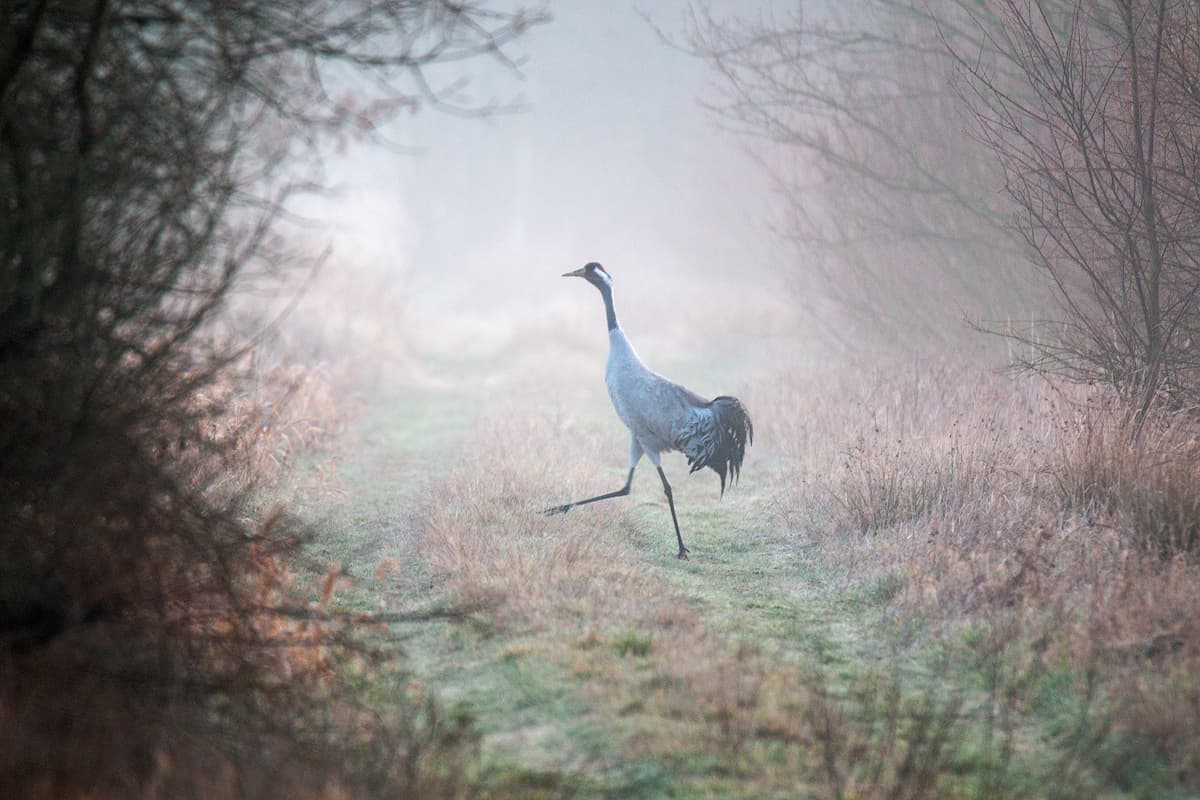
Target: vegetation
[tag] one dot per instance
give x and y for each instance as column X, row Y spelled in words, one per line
column 934, row 580
column 152, row 639
column 957, row 141
column 1006, row 635
column 1091, row 111
column 855, row 112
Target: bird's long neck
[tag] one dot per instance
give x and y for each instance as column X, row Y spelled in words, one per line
column 606, row 293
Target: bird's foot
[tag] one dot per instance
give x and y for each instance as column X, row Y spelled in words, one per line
column 550, row 512
column 683, row 553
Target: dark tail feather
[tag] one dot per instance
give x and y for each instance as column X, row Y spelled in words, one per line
column 733, row 431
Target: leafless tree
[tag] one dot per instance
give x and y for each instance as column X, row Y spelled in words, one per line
column 893, row 208
column 1101, row 154
column 146, row 150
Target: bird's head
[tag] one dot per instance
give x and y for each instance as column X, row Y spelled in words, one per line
column 594, row 274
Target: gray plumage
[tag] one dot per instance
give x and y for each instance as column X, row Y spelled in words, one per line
column 663, row 416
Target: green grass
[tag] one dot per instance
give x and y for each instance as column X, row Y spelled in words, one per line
column 547, row 728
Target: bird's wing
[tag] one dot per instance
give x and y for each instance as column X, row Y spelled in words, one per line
column 671, row 408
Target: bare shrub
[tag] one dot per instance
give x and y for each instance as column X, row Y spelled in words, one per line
column 1099, row 144
column 895, row 229
column 152, row 641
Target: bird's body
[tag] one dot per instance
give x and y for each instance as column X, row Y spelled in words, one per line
column 651, row 406
column 663, row 416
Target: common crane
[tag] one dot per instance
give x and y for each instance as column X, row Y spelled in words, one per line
column 663, row 416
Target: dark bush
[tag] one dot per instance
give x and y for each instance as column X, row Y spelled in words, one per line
column 150, row 642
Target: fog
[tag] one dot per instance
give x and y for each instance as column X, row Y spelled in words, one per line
column 601, row 150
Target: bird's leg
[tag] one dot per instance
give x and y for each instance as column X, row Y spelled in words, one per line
column 624, row 490
column 683, row 551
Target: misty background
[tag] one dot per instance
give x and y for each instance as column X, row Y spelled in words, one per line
column 601, row 149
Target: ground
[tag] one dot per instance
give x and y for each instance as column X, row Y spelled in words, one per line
column 593, row 663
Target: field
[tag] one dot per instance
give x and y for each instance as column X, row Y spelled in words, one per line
column 933, row 579
column 282, row 421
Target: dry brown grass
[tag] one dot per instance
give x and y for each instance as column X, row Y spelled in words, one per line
column 264, row 420
column 997, row 498
column 297, row 385
column 1024, row 511
column 641, row 653
column 308, row 352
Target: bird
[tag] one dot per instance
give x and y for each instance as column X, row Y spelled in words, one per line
column 663, row 416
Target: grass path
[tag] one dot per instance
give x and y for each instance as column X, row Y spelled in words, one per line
column 538, row 735
column 561, row 718
column 541, row 729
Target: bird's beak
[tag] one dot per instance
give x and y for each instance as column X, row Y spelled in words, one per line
column 579, row 273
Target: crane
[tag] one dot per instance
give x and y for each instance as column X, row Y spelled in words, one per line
column 663, row 416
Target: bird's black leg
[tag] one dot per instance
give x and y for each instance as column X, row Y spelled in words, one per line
column 683, row 551
column 624, row 490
